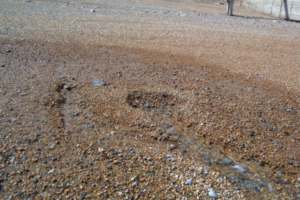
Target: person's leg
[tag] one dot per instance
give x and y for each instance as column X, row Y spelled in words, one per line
column 231, row 6
column 286, row 10
column 228, row 7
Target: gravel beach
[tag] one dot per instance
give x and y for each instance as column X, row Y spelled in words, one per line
column 147, row 99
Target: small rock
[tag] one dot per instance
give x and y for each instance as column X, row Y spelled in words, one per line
column 134, row 178
column 83, row 195
column 170, row 158
column 51, row 171
column 135, row 183
column 92, row 10
column 52, row 146
column 189, row 181
column 172, row 147
column 2, row 65
column 212, row 194
column 69, row 86
column 88, row 126
column 225, row 161
column 147, row 105
column 12, row 159
column 75, row 114
column 240, row 168
column 270, row 187
column 278, row 174
column 120, row 193
column 205, row 170
column 171, row 135
column 36, row 179
column 294, row 163
column 23, row 94
column 99, row 83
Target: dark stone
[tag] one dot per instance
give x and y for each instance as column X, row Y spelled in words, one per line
column 149, row 100
column 252, row 134
column 262, row 163
column 83, row 195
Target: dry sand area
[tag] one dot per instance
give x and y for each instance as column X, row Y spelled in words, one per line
column 147, row 99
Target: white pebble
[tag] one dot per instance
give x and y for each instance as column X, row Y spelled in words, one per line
column 189, row 181
column 240, row 168
column 212, row 193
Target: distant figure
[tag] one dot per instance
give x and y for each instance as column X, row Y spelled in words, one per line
column 286, row 10
column 230, row 5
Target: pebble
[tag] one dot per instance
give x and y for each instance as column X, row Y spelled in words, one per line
column 240, row 168
column 189, row 181
column 83, row 195
column 135, row 183
column 225, row 162
column 99, row 83
column 75, row 114
column 2, row 65
column 170, row 158
column 69, row 86
column 52, row 146
column 172, row 147
column 50, row 171
column 270, row 187
column 134, row 178
column 120, row 193
column 92, row 10
column 205, row 170
column 12, row 159
column 88, row 126
column 212, row 194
